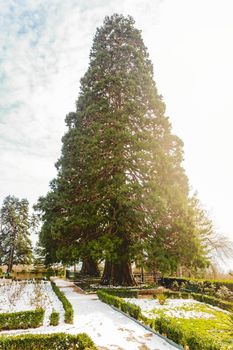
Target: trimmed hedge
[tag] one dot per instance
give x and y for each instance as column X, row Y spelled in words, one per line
column 54, row 318
column 195, row 285
column 222, row 304
column 174, row 331
column 55, row 341
column 171, row 329
column 176, row 295
column 165, row 326
column 129, row 293
column 128, row 308
column 121, row 293
column 69, row 312
column 22, row 320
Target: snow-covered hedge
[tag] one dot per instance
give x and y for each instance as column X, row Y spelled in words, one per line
column 55, row 341
column 22, row 319
column 69, row 312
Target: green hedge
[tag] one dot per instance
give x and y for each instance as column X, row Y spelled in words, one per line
column 165, row 326
column 129, row 293
column 171, row 329
column 176, row 295
column 121, row 293
column 196, row 285
column 128, row 308
column 69, row 312
column 222, row 304
column 54, row 318
column 55, row 341
column 174, row 331
column 22, row 320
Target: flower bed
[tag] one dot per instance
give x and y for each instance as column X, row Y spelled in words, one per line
column 187, row 322
column 30, row 304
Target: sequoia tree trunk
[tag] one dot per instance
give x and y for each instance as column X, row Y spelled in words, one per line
column 118, row 273
column 90, row 267
column 106, row 277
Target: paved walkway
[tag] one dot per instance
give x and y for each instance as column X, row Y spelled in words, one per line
column 109, row 329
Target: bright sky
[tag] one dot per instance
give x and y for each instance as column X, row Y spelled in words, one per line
column 44, row 49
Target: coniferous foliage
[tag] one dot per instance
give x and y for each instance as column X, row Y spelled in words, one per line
column 121, row 188
column 15, row 243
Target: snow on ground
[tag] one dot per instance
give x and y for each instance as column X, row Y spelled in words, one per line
column 25, row 296
column 109, row 329
column 180, row 308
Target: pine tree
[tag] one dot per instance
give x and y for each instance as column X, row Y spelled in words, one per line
column 15, row 243
column 120, row 183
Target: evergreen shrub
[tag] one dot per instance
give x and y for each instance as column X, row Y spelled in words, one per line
column 22, row 319
column 128, row 308
column 69, row 312
column 55, row 341
column 54, row 318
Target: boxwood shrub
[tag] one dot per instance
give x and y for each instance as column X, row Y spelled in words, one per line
column 222, row 304
column 195, row 285
column 166, row 326
column 128, row 308
column 54, row 318
column 174, row 331
column 69, row 312
column 122, row 293
column 22, row 319
column 55, row 341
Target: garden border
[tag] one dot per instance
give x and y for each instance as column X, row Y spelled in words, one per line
column 171, row 342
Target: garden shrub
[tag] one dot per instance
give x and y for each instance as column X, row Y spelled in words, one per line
column 171, row 328
column 225, row 293
column 54, row 318
column 161, row 298
column 22, row 319
column 55, row 341
column 174, row 331
column 69, row 312
column 122, row 293
column 177, row 295
column 128, row 308
column 197, row 285
column 222, row 304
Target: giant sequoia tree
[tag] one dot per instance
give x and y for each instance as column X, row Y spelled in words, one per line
column 15, row 243
column 120, row 184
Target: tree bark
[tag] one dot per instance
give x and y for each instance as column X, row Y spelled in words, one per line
column 10, row 261
column 118, row 273
column 106, row 277
column 90, row 267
